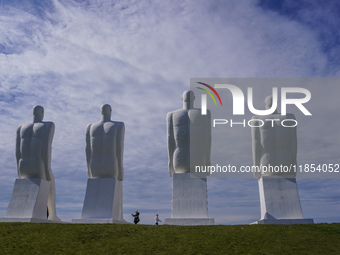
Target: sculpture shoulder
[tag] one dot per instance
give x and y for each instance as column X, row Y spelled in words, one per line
column 179, row 117
column 195, row 111
column 50, row 128
column 176, row 112
column 113, row 125
column 26, row 125
column 100, row 128
column 88, row 128
column 25, row 129
column 95, row 126
column 49, row 124
column 169, row 116
column 174, row 115
column 119, row 124
column 19, row 127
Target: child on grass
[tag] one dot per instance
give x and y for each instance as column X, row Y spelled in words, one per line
column 157, row 219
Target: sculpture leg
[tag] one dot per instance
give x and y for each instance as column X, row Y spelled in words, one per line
column 51, row 203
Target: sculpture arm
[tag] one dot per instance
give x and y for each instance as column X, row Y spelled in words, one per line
column 120, row 151
column 170, row 142
column 17, row 149
column 88, row 150
column 256, row 148
column 47, row 150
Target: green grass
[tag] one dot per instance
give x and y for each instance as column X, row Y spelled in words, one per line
column 30, row 238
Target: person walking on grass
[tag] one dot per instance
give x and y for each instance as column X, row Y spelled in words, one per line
column 136, row 217
column 157, row 219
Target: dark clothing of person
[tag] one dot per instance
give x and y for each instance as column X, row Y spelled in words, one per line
column 136, row 217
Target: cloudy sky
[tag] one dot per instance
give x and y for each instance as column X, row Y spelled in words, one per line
column 138, row 56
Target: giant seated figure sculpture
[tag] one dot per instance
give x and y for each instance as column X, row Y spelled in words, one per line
column 104, row 156
column 189, row 144
column 275, row 145
column 34, row 197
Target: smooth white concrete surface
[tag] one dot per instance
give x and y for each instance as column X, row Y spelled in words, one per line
column 103, row 202
column 31, row 220
column 285, row 221
column 189, row 197
column 189, row 221
column 189, row 201
column 280, row 202
column 279, row 198
column 28, row 201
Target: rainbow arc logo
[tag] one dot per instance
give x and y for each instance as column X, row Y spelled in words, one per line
column 209, row 93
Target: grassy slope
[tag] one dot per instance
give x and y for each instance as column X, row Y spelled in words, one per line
column 29, row 238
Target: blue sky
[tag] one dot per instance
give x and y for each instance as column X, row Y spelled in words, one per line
column 138, row 56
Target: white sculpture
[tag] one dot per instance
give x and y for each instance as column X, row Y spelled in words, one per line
column 104, row 155
column 105, row 146
column 189, row 137
column 189, row 145
column 274, row 149
column 33, row 154
column 272, row 143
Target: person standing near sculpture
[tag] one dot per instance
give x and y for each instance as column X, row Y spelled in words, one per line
column 189, row 145
column 105, row 147
column 33, row 154
column 274, row 148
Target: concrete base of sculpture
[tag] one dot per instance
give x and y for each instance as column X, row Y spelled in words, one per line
column 28, row 201
column 30, row 220
column 280, row 202
column 103, row 202
column 189, row 221
column 285, row 221
column 99, row 221
column 189, row 201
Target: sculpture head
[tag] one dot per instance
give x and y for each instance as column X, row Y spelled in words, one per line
column 38, row 113
column 188, row 98
column 106, row 110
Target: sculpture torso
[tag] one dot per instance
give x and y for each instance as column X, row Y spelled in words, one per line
column 33, row 149
column 274, row 145
column 104, row 145
column 189, row 133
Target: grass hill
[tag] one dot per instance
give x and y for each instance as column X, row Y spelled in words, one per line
column 30, row 238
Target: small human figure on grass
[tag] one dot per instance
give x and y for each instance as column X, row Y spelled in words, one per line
column 136, row 217
column 157, row 219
